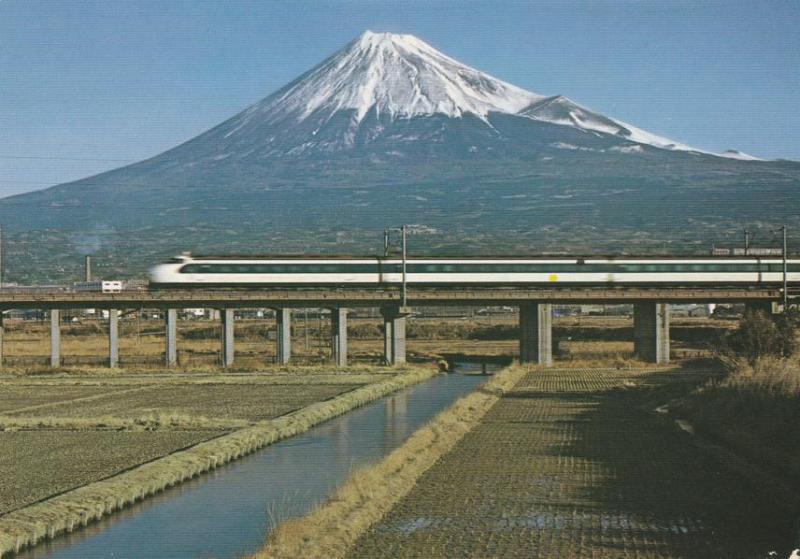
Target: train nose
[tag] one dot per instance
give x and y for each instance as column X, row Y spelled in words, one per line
column 161, row 273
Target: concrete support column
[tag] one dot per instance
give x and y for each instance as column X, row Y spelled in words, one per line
column 227, row 337
column 283, row 320
column 387, row 340
column 113, row 338
column 172, row 338
column 339, row 336
column 651, row 332
column 394, row 336
column 536, row 333
column 55, row 338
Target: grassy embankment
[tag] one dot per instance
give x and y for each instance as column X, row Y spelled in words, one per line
column 76, row 507
column 332, row 528
column 753, row 410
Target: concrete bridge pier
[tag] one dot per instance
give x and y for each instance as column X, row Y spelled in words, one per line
column 55, row 338
column 228, row 347
column 283, row 320
column 171, row 350
column 113, row 338
column 651, row 332
column 394, row 335
column 339, row 336
column 536, row 333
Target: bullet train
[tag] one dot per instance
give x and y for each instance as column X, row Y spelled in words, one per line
column 188, row 271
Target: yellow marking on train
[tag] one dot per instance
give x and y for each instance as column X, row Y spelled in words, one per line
column 553, row 277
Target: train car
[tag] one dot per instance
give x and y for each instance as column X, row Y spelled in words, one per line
column 188, row 271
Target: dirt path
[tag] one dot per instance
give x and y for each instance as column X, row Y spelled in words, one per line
column 571, row 464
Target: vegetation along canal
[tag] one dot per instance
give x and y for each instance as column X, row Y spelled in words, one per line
column 229, row 512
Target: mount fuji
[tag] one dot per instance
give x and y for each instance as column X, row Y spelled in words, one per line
column 371, row 92
column 389, row 130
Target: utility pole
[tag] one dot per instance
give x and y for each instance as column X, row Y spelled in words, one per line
column 405, row 293
column 785, row 283
column 746, row 240
column 403, row 229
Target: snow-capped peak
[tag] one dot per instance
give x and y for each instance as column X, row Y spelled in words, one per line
column 395, row 75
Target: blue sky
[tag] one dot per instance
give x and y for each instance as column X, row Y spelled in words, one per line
column 89, row 85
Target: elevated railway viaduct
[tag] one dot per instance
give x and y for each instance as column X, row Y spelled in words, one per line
column 651, row 313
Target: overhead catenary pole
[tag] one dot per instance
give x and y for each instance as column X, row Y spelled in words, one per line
column 785, row 269
column 405, row 293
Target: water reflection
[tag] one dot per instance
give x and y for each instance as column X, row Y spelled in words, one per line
column 228, row 512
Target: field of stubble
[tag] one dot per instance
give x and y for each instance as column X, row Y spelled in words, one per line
column 59, row 433
column 575, row 464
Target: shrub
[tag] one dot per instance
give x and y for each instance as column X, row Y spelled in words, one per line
column 759, row 335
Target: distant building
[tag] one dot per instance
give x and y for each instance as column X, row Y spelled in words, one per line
column 98, row 286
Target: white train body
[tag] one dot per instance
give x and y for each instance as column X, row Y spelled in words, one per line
column 188, row 271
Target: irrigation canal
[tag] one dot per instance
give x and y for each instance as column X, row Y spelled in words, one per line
column 230, row 511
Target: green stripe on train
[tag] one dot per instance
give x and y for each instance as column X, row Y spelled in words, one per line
column 463, row 268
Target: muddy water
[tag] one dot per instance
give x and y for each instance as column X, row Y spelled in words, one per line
column 229, row 512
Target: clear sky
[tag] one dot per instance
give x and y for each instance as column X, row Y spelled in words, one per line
column 88, row 85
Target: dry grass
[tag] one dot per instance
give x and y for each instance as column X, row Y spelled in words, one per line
column 25, row 527
column 107, row 374
column 754, row 410
column 145, row 422
column 331, row 529
column 252, row 402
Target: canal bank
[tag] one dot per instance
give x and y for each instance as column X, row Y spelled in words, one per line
column 229, row 512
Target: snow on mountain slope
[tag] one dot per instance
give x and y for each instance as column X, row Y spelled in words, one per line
column 564, row 111
column 395, row 75
column 736, row 154
column 380, row 78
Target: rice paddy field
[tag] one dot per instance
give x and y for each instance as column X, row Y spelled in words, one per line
column 58, row 433
column 40, row 463
column 252, row 402
column 576, row 463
